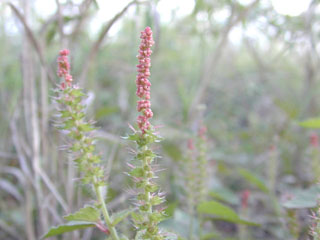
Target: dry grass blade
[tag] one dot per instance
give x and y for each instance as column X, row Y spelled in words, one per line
column 11, row 189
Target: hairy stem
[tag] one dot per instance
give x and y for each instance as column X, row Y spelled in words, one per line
column 112, row 229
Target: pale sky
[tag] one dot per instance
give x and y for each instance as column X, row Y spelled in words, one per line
column 107, row 8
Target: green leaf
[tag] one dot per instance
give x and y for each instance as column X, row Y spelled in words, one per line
column 132, row 137
column 137, row 217
column 253, row 179
column 137, row 172
column 68, row 124
column 86, row 127
column 69, row 227
column 303, row 198
column 65, row 113
column 311, row 123
column 222, row 212
column 156, row 200
column 88, row 214
column 119, row 216
column 76, row 92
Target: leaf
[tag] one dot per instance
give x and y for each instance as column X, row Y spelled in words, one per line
column 119, row 216
column 86, row 127
column 69, row 227
column 137, row 172
column 88, row 214
column 303, row 198
column 253, row 179
column 76, row 92
column 222, row 212
column 311, row 123
column 132, row 137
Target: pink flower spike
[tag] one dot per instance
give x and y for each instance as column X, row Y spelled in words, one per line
column 64, row 52
column 64, row 68
column 142, row 82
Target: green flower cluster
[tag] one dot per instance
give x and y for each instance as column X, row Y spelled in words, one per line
column 195, row 166
column 72, row 119
column 147, row 218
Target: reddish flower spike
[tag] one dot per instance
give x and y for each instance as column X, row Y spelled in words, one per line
column 64, row 68
column 142, row 82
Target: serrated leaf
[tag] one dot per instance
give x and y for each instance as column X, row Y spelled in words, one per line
column 119, row 216
column 68, row 227
column 222, row 212
column 311, row 123
column 253, row 179
column 88, row 213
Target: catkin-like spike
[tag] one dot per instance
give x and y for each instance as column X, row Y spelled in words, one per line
column 143, row 172
column 80, row 131
column 72, row 121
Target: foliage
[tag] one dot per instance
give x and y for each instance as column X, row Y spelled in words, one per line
column 255, row 71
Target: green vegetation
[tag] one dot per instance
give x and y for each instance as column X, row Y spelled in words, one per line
column 242, row 71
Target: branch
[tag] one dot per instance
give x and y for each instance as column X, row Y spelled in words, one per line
column 95, row 47
column 34, row 41
column 84, row 10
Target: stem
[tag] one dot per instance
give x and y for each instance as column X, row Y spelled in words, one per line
column 105, row 213
column 147, row 193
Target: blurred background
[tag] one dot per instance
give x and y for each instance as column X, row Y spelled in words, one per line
column 238, row 75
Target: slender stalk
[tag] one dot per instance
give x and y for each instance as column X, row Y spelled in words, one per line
column 106, row 216
column 80, row 132
column 147, row 218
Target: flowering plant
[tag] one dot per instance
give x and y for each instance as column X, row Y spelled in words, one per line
column 143, row 169
column 81, row 147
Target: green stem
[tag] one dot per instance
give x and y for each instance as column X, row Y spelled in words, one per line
column 147, row 193
column 105, row 213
